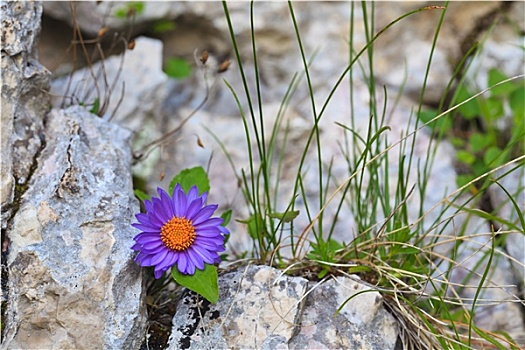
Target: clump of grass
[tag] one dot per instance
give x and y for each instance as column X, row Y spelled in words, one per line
column 398, row 254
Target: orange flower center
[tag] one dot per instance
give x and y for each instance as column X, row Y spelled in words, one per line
column 178, row 234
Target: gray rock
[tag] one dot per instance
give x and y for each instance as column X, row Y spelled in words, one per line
column 135, row 84
column 261, row 308
column 72, row 281
column 24, row 100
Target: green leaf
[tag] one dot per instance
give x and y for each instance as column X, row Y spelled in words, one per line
column 359, row 269
column 141, row 195
column 517, row 102
column 188, row 178
column 479, row 141
column 479, row 167
column 136, row 7
column 226, row 216
column 457, row 142
column 408, row 251
column 163, row 26
column 443, row 124
column 285, row 217
column 470, row 109
column 95, row 107
column 493, row 108
column 465, row 157
column 203, row 282
column 491, row 156
column 462, row 180
column 323, row 273
column 177, row 68
column 495, row 76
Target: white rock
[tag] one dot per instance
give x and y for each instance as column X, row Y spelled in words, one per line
column 259, row 307
column 24, row 101
column 72, row 279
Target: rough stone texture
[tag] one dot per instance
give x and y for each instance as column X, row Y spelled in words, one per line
column 24, row 101
column 363, row 323
column 260, row 308
column 72, row 281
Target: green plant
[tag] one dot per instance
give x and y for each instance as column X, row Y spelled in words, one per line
column 391, row 249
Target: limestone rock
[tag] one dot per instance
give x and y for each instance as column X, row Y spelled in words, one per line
column 260, row 308
column 24, row 101
column 72, row 280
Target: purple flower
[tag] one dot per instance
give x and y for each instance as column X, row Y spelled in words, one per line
column 179, row 230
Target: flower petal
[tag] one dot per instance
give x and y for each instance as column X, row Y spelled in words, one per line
column 206, row 256
column 147, row 237
column 212, row 222
column 179, row 202
column 195, row 258
column 193, row 208
column 182, row 263
column 204, row 214
column 158, row 257
column 167, row 204
column 193, row 194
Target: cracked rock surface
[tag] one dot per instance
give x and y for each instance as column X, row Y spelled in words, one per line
column 72, row 281
column 260, row 308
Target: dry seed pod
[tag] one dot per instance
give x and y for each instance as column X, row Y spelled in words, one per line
column 224, row 66
column 103, row 31
column 204, row 57
column 199, row 143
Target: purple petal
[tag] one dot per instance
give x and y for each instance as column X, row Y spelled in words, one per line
column 160, row 212
column 154, row 250
column 193, row 208
column 208, row 232
column 158, row 257
column 210, row 242
column 204, row 197
column 152, row 245
column 196, row 259
column 143, row 219
column 143, row 259
column 182, row 263
column 203, row 253
column 167, row 203
column 148, row 205
column 145, row 228
column 179, row 202
column 190, row 268
column 171, row 258
column 204, row 214
column 224, row 230
column 193, row 194
column 158, row 273
column 147, row 237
